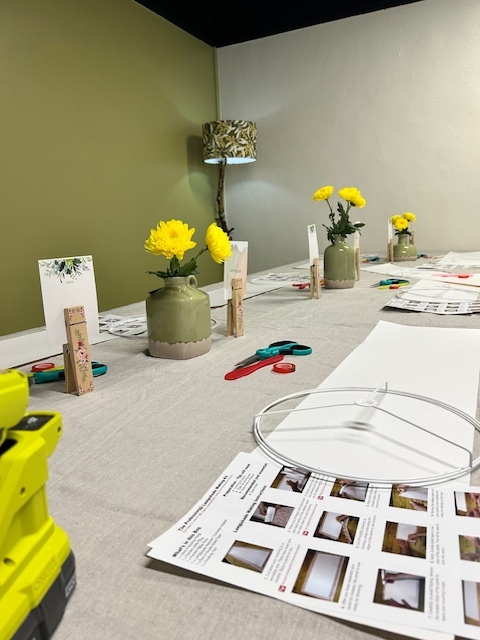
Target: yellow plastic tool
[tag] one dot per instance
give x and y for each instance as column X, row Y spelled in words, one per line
column 37, row 566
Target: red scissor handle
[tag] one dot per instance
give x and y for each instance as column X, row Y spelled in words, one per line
column 245, row 371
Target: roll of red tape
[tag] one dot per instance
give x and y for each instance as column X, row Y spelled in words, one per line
column 284, row 367
column 42, row 366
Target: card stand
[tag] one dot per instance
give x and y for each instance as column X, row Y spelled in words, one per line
column 315, row 280
column 356, row 241
column 235, row 309
column 332, row 432
column 390, row 251
column 76, row 352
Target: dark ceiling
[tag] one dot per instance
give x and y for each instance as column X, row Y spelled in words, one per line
column 222, row 23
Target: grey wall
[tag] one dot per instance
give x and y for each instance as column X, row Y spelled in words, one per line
column 388, row 102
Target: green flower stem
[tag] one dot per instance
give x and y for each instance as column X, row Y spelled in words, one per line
column 175, row 269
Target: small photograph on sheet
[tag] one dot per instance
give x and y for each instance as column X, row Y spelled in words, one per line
column 321, row 575
column 399, row 589
column 290, row 479
column 405, row 497
column 471, row 602
column 276, row 515
column 349, row 490
column 469, row 548
column 405, row 539
column 337, row 526
column 248, row 556
column 467, row 504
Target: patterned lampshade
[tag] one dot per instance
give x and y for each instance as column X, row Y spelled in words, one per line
column 229, row 142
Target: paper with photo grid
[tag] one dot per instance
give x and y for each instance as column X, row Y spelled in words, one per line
column 68, row 282
column 421, row 587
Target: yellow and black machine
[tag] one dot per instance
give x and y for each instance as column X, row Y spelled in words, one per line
column 37, row 566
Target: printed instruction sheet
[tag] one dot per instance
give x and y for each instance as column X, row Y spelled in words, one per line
column 390, row 554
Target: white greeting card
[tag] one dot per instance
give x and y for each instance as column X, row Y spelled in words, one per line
column 312, row 243
column 68, row 282
column 235, row 267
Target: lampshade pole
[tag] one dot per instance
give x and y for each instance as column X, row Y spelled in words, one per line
column 220, row 197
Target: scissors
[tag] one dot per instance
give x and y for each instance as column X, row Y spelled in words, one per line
column 52, row 374
column 282, row 348
column 385, row 284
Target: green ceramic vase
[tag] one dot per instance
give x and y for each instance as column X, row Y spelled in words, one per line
column 178, row 320
column 403, row 250
column 339, row 265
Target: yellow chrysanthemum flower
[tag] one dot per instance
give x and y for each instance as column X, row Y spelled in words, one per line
column 170, row 239
column 341, row 225
column 218, row 243
column 353, row 196
column 324, row 193
column 173, row 238
column 400, row 223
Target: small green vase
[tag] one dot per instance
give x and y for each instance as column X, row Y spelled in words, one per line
column 178, row 320
column 339, row 265
column 403, row 250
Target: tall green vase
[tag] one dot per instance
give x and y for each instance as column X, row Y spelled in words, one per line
column 339, row 265
column 178, row 320
column 403, row 250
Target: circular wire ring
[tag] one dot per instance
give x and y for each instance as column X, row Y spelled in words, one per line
column 414, row 482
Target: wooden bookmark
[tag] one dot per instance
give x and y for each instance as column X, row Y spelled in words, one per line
column 315, row 283
column 235, row 309
column 76, row 353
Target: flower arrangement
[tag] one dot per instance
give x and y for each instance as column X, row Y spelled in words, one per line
column 173, row 238
column 66, row 269
column 401, row 222
column 342, row 226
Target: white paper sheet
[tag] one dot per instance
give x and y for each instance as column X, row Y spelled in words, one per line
column 453, row 260
column 364, row 442
column 397, row 271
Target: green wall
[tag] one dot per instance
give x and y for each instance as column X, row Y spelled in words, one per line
column 101, row 107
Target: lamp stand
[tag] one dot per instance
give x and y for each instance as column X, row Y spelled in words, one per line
column 220, row 201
